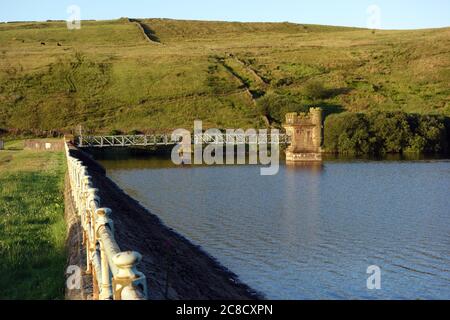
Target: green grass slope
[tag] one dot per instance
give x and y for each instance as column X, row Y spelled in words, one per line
column 108, row 75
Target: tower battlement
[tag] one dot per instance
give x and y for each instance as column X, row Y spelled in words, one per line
column 313, row 117
column 305, row 130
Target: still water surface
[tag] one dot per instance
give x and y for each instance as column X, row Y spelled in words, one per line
column 310, row 232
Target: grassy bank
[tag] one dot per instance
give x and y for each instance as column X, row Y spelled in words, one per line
column 32, row 227
column 107, row 75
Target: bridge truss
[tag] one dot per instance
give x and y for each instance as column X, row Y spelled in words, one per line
column 156, row 140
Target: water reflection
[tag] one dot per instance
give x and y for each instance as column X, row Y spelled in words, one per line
column 314, row 167
column 311, row 231
column 302, row 217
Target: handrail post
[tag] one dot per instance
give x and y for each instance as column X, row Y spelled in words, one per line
column 128, row 283
column 103, row 220
column 85, row 221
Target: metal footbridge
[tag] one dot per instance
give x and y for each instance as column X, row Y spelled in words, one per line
column 156, row 140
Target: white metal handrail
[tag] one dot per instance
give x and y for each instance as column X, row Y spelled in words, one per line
column 114, row 273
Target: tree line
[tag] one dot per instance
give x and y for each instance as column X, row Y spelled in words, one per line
column 386, row 132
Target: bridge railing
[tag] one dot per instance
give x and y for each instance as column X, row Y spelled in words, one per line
column 166, row 140
column 114, row 273
column 124, row 140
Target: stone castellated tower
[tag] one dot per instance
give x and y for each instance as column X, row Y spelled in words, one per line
column 305, row 130
column 316, row 119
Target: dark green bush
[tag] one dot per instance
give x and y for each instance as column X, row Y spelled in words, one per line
column 433, row 130
column 386, row 132
column 285, row 82
column 315, row 90
column 135, row 132
column 347, row 133
column 391, row 131
column 275, row 106
column 115, row 132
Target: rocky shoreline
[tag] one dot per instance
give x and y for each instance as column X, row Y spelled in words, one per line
column 175, row 268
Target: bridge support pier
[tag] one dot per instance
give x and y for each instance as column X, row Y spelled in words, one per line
column 305, row 131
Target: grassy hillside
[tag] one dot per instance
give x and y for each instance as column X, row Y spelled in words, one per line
column 162, row 74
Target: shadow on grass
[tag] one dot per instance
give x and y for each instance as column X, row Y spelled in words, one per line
column 327, row 108
column 149, row 32
column 331, row 93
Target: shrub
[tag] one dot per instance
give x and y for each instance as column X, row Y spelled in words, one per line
column 391, row 131
column 285, row 82
column 432, row 129
column 347, row 133
column 416, row 144
column 316, row 90
column 115, row 132
column 385, row 132
column 275, row 106
column 135, row 132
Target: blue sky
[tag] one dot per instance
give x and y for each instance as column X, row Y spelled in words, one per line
column 395, row 14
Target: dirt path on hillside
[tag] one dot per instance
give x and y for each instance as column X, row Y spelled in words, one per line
column 146, row 31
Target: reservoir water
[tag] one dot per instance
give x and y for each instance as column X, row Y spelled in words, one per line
column 310, row 232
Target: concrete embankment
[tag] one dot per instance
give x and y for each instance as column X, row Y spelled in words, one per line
column 174, row 267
